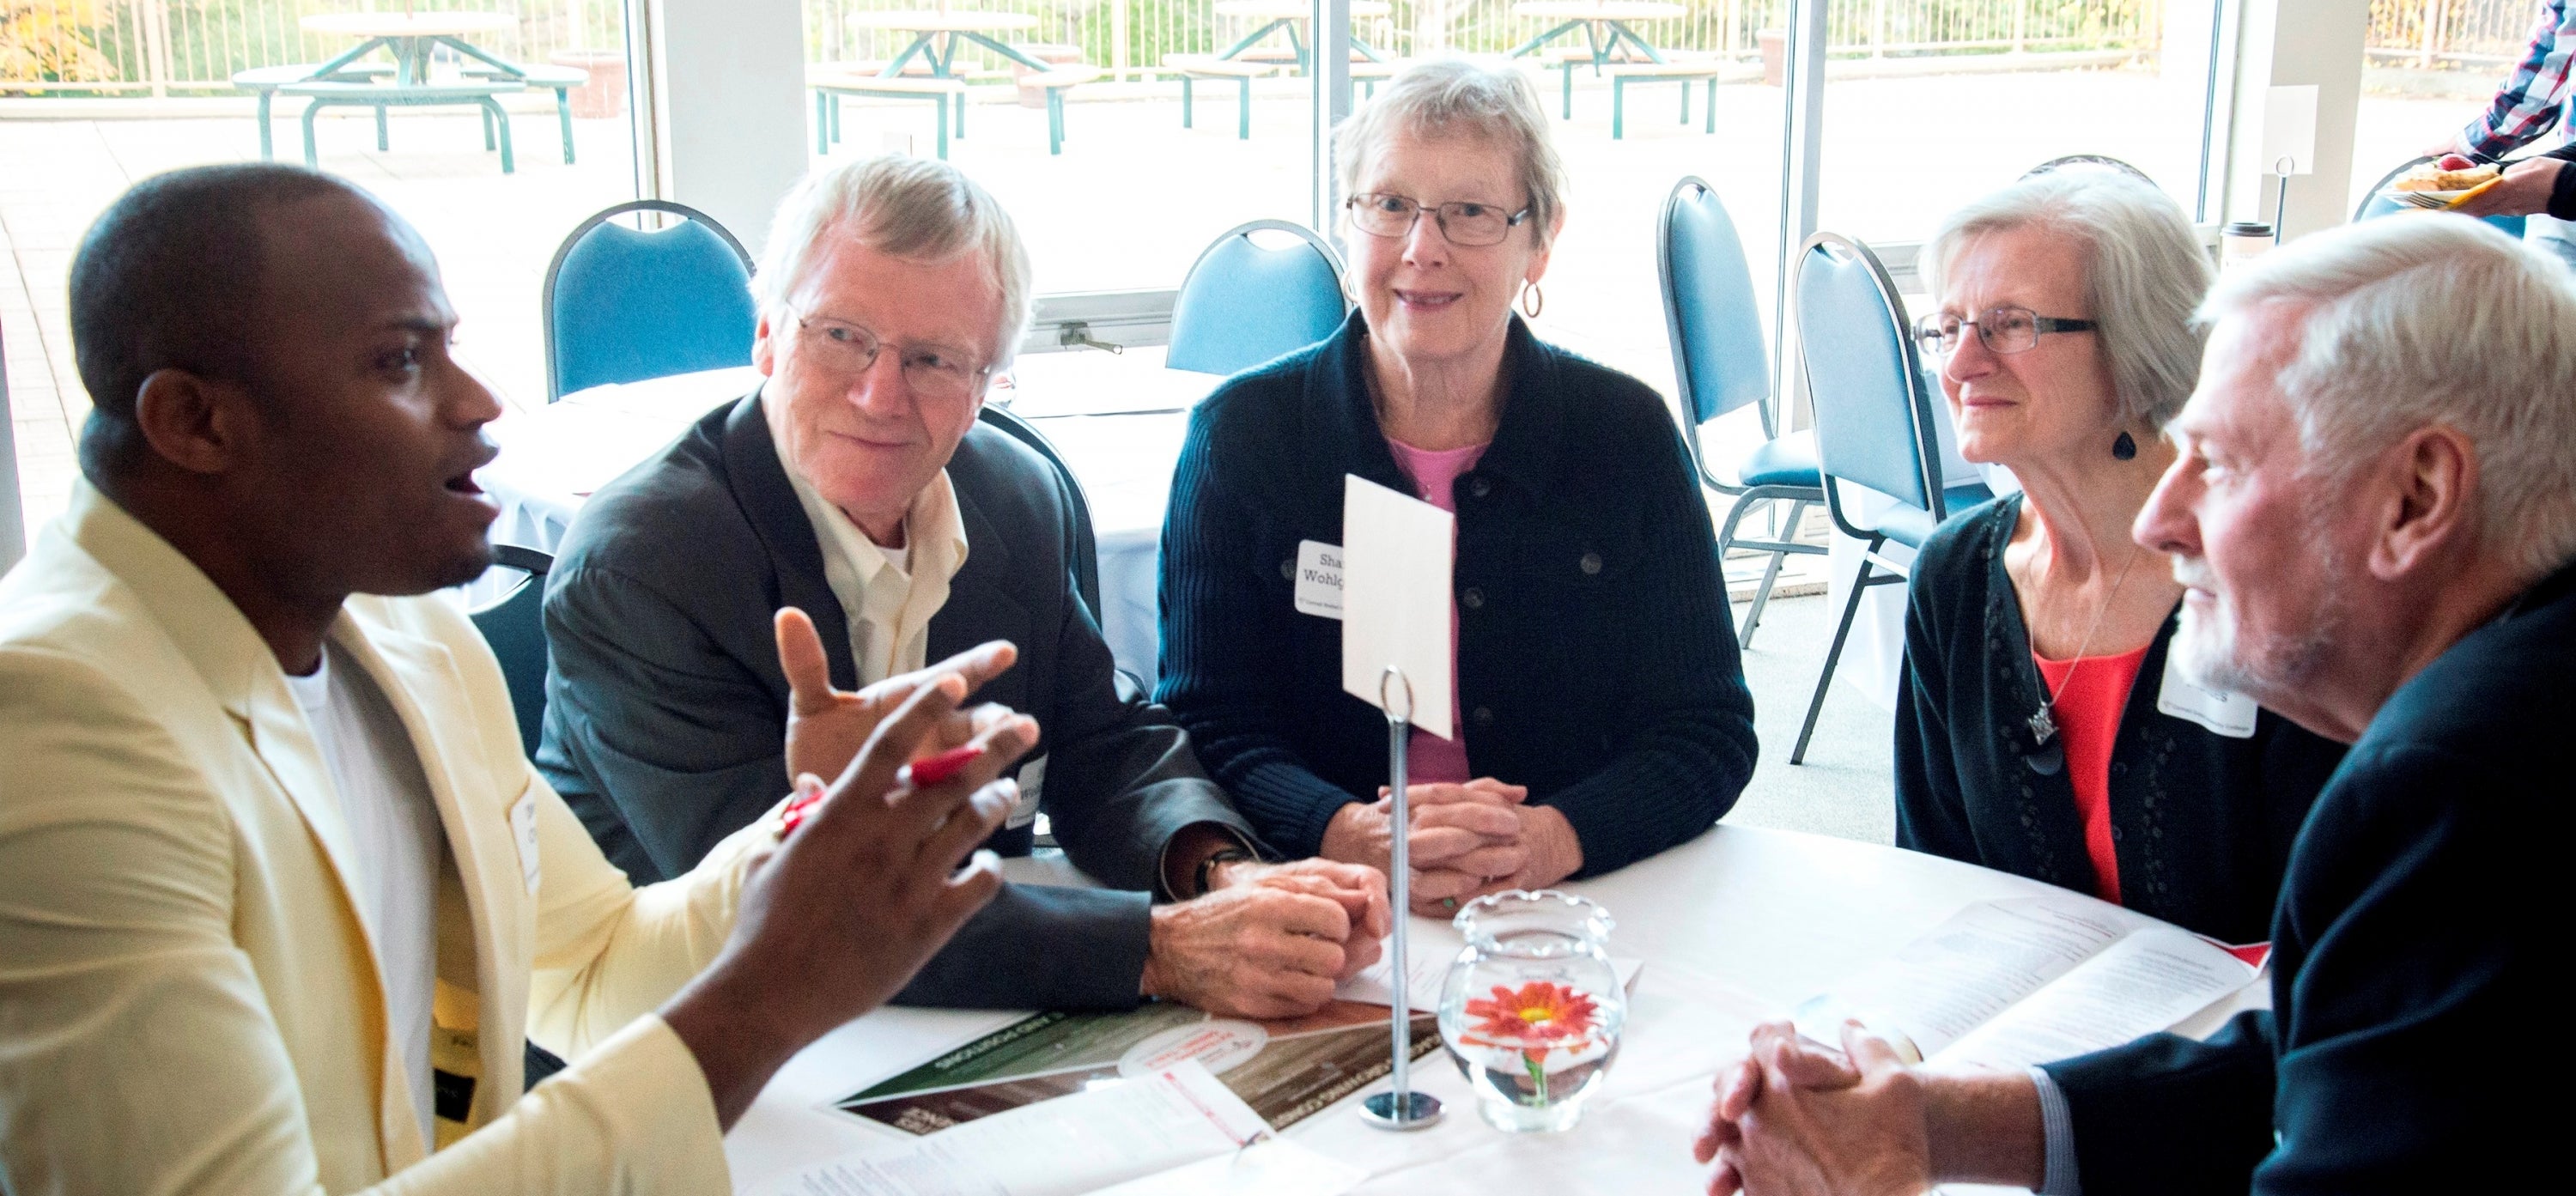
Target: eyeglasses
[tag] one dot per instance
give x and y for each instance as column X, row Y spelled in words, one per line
column 932, row 371
column 1463, row 223
column 1999, row 329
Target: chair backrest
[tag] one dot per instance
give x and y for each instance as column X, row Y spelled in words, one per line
column 2102, row 160
column 2374, row 205
column 623, row 305
column 1718, row 357
column 1243, row 304
column 1086, row 549
column 1873, row 416
column 515, row 626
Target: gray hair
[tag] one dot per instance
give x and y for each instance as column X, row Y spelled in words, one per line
column 2425, row 320
column 1451, row 96
column 2144, row 271
column 918, row 209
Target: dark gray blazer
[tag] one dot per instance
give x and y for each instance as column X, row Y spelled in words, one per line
column 665, row 705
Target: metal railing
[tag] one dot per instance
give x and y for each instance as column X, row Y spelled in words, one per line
column 162, row 47
column 2430, row 34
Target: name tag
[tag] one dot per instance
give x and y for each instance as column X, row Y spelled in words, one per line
column 523, row 827
column 1319, row 579
column 2231, row 715
column 1032, row 779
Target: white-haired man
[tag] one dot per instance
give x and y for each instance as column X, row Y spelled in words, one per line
column 2374, row 516
column 858, row 484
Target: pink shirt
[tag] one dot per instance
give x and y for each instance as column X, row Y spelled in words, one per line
column 1429, row 758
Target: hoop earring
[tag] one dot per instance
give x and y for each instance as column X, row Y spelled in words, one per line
column 1532, row 302
column 2124, row 449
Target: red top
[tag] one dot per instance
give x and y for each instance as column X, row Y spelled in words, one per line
column 2088, row 719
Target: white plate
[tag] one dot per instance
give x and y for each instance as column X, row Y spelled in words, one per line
column 2434, row 200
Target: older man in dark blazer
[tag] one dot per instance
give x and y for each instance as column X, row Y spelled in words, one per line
column 858, row 486
column 2374, row 518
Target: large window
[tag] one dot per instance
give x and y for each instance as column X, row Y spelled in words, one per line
column 101, row 95
column 2429, row 67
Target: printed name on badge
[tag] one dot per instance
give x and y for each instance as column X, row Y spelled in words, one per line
column 1032, row 780
column 2231, row 715
column 523, row 827
column 1319, row 579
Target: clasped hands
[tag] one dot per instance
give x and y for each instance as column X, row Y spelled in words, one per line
column 1266, row 940
column 1466, row 841
column 1794, row 1116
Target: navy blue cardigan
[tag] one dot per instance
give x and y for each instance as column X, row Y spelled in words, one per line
column 1596, row 660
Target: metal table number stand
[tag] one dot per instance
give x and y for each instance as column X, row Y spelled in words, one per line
column 1399, row 1107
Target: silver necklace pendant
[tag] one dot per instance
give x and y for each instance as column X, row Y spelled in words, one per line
column 2043, row 727
column 2048, row 753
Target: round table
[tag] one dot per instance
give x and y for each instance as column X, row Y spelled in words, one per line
column 1735, row 927
column 1118, row 419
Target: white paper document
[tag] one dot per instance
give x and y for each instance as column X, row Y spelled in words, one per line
column 1112, row 1134
column 1395, row 601
column 1271, row 1167
column 2011, row 983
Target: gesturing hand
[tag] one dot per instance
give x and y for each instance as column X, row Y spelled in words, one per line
column 825, row 726
column 847, row 909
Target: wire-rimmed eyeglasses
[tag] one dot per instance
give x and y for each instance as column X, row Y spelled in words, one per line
column 1463, row 222
column 2005, row 329
column 932, row 371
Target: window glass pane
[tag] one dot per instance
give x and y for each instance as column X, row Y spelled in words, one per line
column 2430, row 67
column 1133, row 196
column 1935, row 102
column 134, row 89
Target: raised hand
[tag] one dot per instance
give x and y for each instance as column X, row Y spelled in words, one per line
column 843, row 912
column 825, row 726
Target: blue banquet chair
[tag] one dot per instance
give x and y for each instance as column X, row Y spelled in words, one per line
column 514, row 625
column 623, row 305
column 1873, row 420
column 1244, row 303
column 1719, row 360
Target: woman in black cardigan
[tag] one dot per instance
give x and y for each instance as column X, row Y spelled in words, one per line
column 2040, row 729
column 1599, row 699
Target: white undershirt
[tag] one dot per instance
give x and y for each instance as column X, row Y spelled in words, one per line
column 393, row 823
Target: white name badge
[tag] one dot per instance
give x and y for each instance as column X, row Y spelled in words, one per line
column 1319, row 579
column 2231, row 715
column 1032, row 779
column 523, row 827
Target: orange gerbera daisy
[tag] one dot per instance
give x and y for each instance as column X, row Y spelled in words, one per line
column 1539, row 1014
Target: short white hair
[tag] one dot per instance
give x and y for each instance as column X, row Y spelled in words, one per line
column 2419, row 320
column 1452, row 96
column 2144, row 271
column 918, row 209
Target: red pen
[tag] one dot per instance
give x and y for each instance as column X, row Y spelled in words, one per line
column 926, row 773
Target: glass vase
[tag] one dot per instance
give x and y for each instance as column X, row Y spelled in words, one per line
column 1532, row 1009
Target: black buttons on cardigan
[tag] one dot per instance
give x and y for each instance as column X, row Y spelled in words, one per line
column 1483, row 715
column 1479, row 487
column 1472, row 598
column 1590, row 564
column 2119, row 768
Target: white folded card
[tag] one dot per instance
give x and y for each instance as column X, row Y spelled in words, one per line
column 1395, row 602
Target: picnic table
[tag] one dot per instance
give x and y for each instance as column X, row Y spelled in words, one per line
column 412, row 39
column 1605, row 24
column 1293, row 16
column 939, row 32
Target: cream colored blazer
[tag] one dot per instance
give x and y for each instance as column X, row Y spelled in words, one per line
column 189, row 1002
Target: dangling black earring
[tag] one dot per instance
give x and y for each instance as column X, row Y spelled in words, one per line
column 2124, row 448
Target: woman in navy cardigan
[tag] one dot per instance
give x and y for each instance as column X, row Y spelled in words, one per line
column 1600, row 703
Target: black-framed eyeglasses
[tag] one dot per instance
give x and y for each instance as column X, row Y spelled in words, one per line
column 932, row 371
column 2004, row 329
column 1463, row 222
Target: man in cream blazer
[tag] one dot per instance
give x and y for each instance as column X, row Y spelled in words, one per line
column 203, row 986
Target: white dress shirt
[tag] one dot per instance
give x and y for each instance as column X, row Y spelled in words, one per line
column 888, row 595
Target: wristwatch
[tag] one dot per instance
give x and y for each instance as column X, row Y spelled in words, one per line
column 1222, row 855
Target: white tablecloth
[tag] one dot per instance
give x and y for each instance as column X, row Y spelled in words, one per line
column 1735, row 927
column 1117, row 418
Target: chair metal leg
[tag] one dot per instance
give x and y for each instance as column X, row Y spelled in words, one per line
column 1770, row 574
column 1834, row 655
column 267, row 136
column 501, row 122
column 563, row 114
column 311, row 160
column 1185, row 101
column 1243, row 110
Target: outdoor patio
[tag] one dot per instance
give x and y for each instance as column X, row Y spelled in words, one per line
column 1128, row 204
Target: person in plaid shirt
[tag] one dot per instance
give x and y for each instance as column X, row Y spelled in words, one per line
column 2532, row 101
